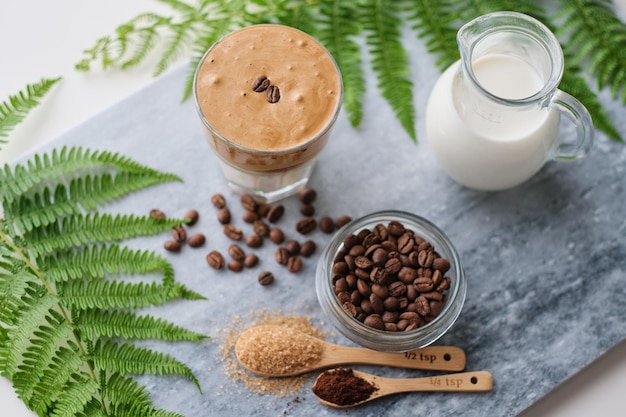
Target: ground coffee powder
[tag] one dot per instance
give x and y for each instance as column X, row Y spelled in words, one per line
column 342, row 387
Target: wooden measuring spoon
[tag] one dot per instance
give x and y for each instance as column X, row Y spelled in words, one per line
column 380, row 386
column 271, row 350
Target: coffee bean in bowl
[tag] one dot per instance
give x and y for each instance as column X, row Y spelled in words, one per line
column 391, row 281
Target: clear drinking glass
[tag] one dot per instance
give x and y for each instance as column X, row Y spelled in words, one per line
column 267, row 149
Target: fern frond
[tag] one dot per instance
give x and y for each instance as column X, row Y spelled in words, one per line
column 115, row 323
column 85, row 193
column 78, row 230
column 381, row 21
column 43, row 170
column 96, row 261
column 75, row 396
column 336, row 28
column 117, row 294
column 598, row 37
column 127, row 358
column 16, row 108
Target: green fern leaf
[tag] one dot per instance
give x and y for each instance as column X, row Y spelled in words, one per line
column 16, row 108
column 336, row 28
column 129, row 359
column 115, row 323
column 381, row 21
column 75, row 396
column 596, row 35
column 96, row 261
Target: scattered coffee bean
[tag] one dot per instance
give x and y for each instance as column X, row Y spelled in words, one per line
column 261, row 228
column 218, row 201
column 254, row 241
column 196, row 240
column 266, row 278
column 233, row 232
column 262, row 209
column 172, row 246
column 282, row 255
column 391, row 277
column 272, row 94
column 275, row 213
column 294, row 263
column 223, row 215
column 251, row 260
column 260, row 84
column 215, row 260
column 293, row 247
column 235, row 265
column 308, row 248
column 236, row 252
column 307, row 209
column 248, row 202
column 342, row 221
column 193, row 216
column 157, row 214
column 277, row 236
column 327, row 225
column 306, row 225
column 250, row 216
column 307, row 195
column 179, row 233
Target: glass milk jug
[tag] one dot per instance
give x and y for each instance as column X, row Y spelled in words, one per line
column 493, row 117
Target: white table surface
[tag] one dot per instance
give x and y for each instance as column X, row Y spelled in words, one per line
column 40, row 38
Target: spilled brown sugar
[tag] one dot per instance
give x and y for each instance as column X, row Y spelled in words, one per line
column 341, row 386
column 279, row 387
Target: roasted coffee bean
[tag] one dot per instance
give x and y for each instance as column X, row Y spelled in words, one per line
column 377, row 303
column 391, row 327
column 343, row 297
column 355, row 297
column 308, row 248
column 350, row 309
column 351, row 240
column 262, row 209
column 266, row 278
column 357, row 250
column 444, row 285
column 248, row 202
column 342, row 221
column 363, row 287
column 397, row 289
column 277, row 236
column 435, row 307
column 193, row 216
column 390, row 316
column 223, row 215
column 307, row 195
column 254, row 241
column 218, row 201
column 381, row 231
column 272, row 94
column 423, row 284
column 442, row 265
column 422, row 305
column 433, row 295
column 172, row 245
column 196, row 240
column 341, row 285
column 236, row 252
column 261, row 228
column 275, row 213
column 251, row 260
column 179, row 234
column 436, row 277
column 375, row 321
column 407, row 274
column 294, row 263
column 363, row 262
column 327, row 225
column 260, row 84
column 233, row 232
column 405, row 243
column 307, row 209
column 215, row 260
column 306, row 225
column 380, row 290
column 380, row 276
column 425, row 258
column 395, row 228
column 281, row 255
column 235, row 265
column 293, row 246
column 250, row 216
column 393, row 266
column 392, row 304
column 351, row 280
column 379, row 257
column 157, row 214
column 341, row 268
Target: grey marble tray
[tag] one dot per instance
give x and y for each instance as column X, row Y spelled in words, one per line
column 545, row 262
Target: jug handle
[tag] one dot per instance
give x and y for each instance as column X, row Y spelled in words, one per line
column 579, row 116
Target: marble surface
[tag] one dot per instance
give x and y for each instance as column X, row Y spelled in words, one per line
column 545, row 262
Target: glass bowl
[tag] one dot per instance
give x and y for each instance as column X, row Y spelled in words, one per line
column 428, row 329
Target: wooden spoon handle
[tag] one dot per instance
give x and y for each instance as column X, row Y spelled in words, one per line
column 434, row 358
column 477, row 381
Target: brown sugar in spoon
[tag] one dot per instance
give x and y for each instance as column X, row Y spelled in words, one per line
column 279, row 351
column 343, row 388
